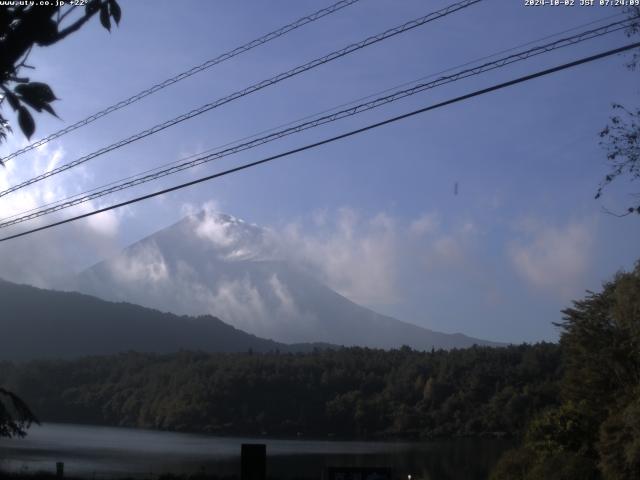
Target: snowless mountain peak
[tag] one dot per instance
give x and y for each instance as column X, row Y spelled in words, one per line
column 227, row 237
column 211, row 263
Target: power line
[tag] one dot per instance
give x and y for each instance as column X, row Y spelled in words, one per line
column 272, row 129
column 336, row 138
column 251, row 89
column 188, row 73
column 352, row 102
column 178, row 167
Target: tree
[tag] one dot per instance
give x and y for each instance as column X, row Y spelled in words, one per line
column 21, row 28
column 619, row 445
column 621, row 137
column 15, row 415
column 597, row 426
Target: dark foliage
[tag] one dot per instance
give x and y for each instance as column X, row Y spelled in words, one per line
column 621, row 138
column 15, row 416
column 351, row 392
column 23, row 27
column 595, row 430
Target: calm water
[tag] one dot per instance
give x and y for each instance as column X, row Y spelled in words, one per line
column 101, row 452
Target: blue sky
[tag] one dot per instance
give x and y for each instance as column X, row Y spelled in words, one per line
column 500, row 260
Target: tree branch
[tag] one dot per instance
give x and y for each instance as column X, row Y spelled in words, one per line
column 74, row 26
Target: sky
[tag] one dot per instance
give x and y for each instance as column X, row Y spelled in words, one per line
column 377, row 212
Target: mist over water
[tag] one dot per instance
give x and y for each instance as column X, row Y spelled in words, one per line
column 118, row 452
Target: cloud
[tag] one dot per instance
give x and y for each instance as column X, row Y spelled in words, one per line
column 426, row 224
column 239, row 302
column 45, row 258
column 228, row 237
column 369, row 259
column 190, row 210
column 217, row 231
column 448, row 249
column 443, row 247
column 553, row 258
column 105, row 223
column 266, row 309
column 145, row 264
column 286, row 303
column 354, row 256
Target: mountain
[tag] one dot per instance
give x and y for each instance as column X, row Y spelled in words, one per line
column 210, row 263
column 38, row 323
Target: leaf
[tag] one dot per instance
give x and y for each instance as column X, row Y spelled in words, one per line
column 12, row 99
column 49, row 109
column 91, row 7
column 37, row 95
column 116, row 13
column 104, row 16
column 25, row 120
column 46, row 32
column 4, row 125
column 36, row 91
column 37, row 106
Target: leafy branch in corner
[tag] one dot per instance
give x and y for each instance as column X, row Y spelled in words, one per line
column 21, row 28
column 15, row 415
column 621, row 138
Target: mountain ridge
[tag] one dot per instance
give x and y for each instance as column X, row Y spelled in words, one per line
column 38, row 323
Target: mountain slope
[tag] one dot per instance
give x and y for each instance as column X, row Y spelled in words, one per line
column 216, row 264
column 38, row 323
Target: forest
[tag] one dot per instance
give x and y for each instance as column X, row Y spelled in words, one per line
column 348, row 393
column 571, row 409
column 594, row 431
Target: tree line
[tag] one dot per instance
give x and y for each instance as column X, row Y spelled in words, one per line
column 347, row 393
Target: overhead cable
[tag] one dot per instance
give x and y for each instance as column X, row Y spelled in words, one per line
column 348, row 112
column 249, row 90
column 186, row 74
column 332, row 139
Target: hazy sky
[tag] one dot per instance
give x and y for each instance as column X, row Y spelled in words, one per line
column 499, row 260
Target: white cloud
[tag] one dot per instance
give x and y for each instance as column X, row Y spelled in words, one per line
column 144, row 264
column 553, row 258
column 448, row 249
column 45, row 257
column 442, row 247
column 367, row 259
column 105, row 223
column 426, row 224
column 189, row 209
column 355, row 257
column 229, row 238
column 240, row 303
column 216, row 231
column 287, row 304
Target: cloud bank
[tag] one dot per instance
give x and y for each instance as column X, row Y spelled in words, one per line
column 554, row 258
column 46, row 258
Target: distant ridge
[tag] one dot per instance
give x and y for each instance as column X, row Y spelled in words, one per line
column 37, row 323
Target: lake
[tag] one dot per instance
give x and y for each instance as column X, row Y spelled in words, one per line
column 106, row 452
